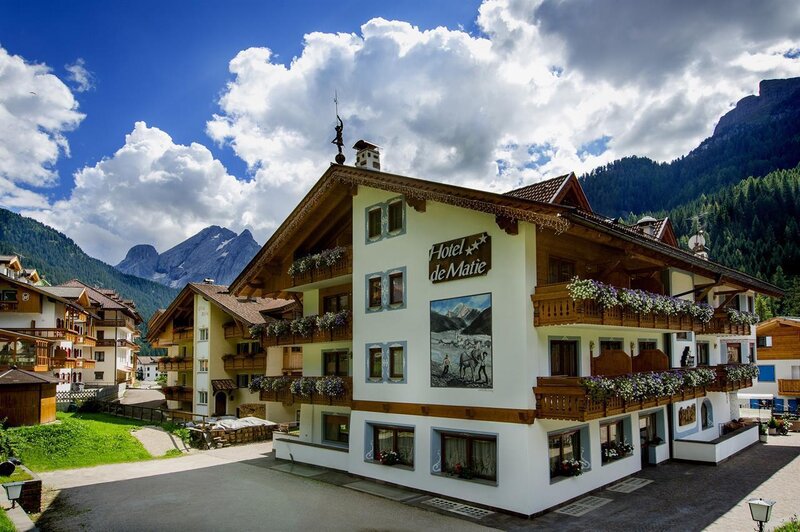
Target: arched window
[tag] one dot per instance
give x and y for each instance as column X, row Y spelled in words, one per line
column 707, row 414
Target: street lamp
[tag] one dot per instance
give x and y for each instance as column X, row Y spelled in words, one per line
column 760, row 511
column 13, row 492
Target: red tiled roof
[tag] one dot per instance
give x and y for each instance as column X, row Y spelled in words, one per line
column 543, row 191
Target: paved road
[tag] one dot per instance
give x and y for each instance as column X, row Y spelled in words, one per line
column 142, row 397
column 224, row 489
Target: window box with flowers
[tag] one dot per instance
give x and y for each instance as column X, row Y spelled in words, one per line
column 613, row 445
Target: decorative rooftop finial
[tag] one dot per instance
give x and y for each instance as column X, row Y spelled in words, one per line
column 339, row 127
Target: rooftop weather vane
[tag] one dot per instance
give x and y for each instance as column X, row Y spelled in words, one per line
column 339, row 127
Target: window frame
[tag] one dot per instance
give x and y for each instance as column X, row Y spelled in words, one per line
column 393, row 349
column 396, row 429
column 338, row 360
column 98, row 375
column 391, row 283
column 99, row 356
column 372, row 283
column 202, row 334
column 470, row 439
column 557, row 275
column 398, row 203
column 200, row 397
column 325, row 439
column 372, row 358
column 705, row 356
column 370, row 219
column 562, row 435
column 246, row 380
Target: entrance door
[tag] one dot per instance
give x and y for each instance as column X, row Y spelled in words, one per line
column 647, row 433
column 220, row 404
column 564, row 358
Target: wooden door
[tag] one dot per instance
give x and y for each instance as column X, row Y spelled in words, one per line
column 220, row 404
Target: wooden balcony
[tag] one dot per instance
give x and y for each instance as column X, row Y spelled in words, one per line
column 60, row 333
column 176, row 365
column 287, row 398
column 344, row 266
column 721, row 325
column 73, row 363
column 724, row 384
column 119, row 322
column 789, row 387
column 29, row 362
column 8, row 306
column 86, row 340
column 292, row 362
column 565, row 398
column 257, row 361
column 178, row 393
column 182, row 334
column 345, row 332
column 233, row 330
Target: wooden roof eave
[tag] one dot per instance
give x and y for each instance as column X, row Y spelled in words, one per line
column 679, row 258
column 165, row 317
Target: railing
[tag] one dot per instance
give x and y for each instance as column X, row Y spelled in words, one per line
column 119, row 322
column 789, row 386
column 234, row 331
column 287, row 397
column 178, row 393
column 106, row 342
column 88, row 341
column 110, row 342
column 73, row 363
column 176, row 365
column 566, row 398
column 59, row 333
column 345, row 332
column 292, row 361
column 721, row 324
column 256, row 361
column 29, row 362
column 182, row 334
column 8, row 306
column 724, row 384
column 344, row 266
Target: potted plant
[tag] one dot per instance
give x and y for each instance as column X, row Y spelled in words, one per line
column 571, row 468
column 388, row 458
column 762, row 433
column 462, row 471
column 773, row 426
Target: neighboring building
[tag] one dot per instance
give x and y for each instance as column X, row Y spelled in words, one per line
column 26, row 397
column 212, row 357
column 147, row 368
column 778, row 341
column 116, row 332
column 465, row 349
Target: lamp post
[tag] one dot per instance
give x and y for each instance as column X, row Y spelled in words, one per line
column 13, row 492
column 760, row 511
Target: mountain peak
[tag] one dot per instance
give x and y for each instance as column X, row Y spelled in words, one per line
column 214, row 252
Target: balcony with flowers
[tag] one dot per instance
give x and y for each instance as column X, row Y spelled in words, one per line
column 321, row 266
column 733, row 377
column 327, row 327
column 590, row 302
column 178, row 363
column 326, row 390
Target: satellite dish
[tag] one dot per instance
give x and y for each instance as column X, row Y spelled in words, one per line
column 696, row 241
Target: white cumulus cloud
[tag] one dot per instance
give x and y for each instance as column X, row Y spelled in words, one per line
column 82, row 79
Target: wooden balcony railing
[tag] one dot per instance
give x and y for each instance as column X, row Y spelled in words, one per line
column 724, row 384
column 257, row 361
column 789, row 387
column 8, row 306
column 176, row 365
column 552, row 305
column 86, row 340
column 565, row 398
column 288, row 398
column 178, row 393
column 234, row 330
column 59, row 333
column 345, row 332
column 182, row 334
column 292, row 361
column 26, row 361
column 73, row 363
column 344, row 266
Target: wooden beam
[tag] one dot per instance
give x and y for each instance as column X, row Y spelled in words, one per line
column 509, row 225
column 418, row 204
column 479, row 413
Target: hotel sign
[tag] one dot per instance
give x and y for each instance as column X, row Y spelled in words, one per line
column 469, row 256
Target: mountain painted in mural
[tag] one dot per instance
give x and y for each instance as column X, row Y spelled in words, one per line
column 214, row 253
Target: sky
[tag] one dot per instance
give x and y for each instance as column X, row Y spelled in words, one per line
column 144, row 122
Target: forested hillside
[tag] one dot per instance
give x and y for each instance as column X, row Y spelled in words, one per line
column 59, row 259
column 760, row 135
column 752, row 226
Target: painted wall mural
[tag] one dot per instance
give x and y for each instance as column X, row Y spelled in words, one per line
column 461, row 342
column 687, row 415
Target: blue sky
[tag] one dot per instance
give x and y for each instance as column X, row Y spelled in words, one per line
column 174, row 116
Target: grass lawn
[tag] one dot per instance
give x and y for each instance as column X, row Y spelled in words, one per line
column 16, row 476
column 80, row 440
column 5, row 523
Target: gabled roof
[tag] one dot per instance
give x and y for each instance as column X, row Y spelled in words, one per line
column 12, row 261
column 248, row 310
column 788, row 321
column 561, row 190
column 41, row 290
column 73, row 293
column 662, row 230
column 141, row 359
column 103, row 297
column 21, row 376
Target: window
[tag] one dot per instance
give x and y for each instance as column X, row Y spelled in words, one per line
column 336, row 303
column 644, row 345
column 703, row 351
column 101, row 335
column 395, row 216
column 397, row 439
column 560, row 270
column 8, row 295
column 764, row 341
column 707, row 414
column 100, row 356
column 375, row 300
column 98, row 375
column 564, row 358
column 396, row 362
column 610, row 344
column 336, row 363
column 336, row 428
column 242, row 381
column 766, row 373
column 752, row 353
column 734, row 353
column 202, row 398
column 202, row 335
column 647, row 428
column 396, row 288
column 249, row 348
column 561, row 447
column 468, row 455
column 683, row 336
column 375, row 363
column 374, row 223
column 612, row 442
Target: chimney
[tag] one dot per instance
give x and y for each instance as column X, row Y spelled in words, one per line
column 208, row 280
column 648, row 225
column 367, row 155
